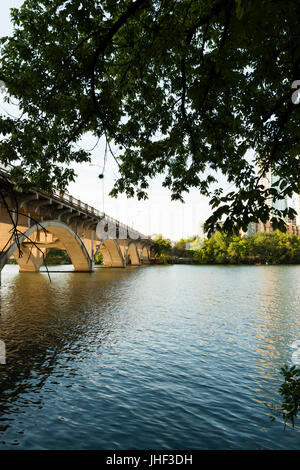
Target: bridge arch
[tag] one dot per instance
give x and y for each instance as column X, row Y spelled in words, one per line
column 32, row 259
column 112, row 254
column 132, row 255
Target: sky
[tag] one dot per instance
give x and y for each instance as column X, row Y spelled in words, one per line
column 158, row 214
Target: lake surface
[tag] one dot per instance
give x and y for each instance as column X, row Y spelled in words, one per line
column 158, row 357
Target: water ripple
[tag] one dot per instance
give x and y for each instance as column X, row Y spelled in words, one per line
column 176, row 357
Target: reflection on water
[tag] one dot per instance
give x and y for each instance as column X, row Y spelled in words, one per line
column 171, row 357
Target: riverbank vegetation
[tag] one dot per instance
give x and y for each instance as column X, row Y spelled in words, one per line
column 55, row 257
column 261, row 248
column 99, row 259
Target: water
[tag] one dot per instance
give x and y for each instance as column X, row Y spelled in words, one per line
column 160, row 357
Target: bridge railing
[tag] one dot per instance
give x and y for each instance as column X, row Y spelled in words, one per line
column 69, row 199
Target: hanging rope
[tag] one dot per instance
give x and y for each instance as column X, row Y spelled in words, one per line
column 101, row 176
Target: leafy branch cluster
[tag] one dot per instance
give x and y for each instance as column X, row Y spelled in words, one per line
column 289, row 391
column 182, row 88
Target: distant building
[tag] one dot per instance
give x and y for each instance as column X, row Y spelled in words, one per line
column 195, row 244
column 293, row 226
column 270, row 180
column 296, row 206
column 200, row 229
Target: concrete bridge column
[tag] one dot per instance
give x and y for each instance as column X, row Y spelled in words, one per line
column 31, row 259
column 132, row 255
column 112, row 254
column 145, row 255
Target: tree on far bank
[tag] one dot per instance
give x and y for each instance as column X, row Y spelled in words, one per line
column 162, row 245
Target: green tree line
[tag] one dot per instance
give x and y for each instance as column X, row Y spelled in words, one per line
column 55, row 257
column 261, row 248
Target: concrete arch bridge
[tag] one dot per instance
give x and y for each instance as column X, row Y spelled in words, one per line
column 60, row 221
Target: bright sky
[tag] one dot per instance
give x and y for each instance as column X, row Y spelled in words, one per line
column 156, row 215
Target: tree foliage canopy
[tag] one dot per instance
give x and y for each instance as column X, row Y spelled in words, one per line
column 183, row 88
